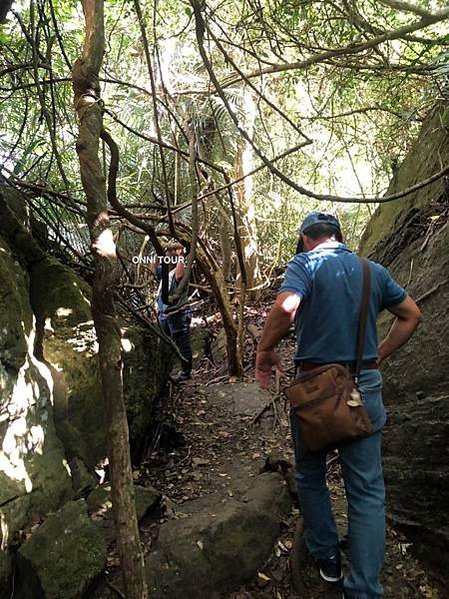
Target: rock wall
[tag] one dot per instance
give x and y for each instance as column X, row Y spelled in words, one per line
column 411, row 237
column 52, row 429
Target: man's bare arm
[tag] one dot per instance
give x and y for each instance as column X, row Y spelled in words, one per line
column 153, row 265
column 180, row 266
column 276, row 326
column 279, row 320
column 408, row 317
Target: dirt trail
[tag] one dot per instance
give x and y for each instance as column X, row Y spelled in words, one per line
column 216, row 440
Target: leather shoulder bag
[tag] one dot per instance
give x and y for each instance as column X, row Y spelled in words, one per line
column 327, row 400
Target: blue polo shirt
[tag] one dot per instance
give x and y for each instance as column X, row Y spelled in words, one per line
column 329, row 281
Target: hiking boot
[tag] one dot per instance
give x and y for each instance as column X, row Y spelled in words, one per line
column 181, row 377
column 330, row 568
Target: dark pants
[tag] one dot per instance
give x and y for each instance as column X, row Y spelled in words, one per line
column 177, row 327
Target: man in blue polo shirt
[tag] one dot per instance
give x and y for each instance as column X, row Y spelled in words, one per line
column 321, row 293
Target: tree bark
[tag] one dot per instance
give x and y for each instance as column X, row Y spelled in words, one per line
column 89, row 111
column 217, row 282
column 244, row 194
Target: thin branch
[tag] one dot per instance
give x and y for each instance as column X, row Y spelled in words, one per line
column 183, row 283
column 41, row 97
column 364, row 110
column 68, row 202
column 164, row 144
column 431, row 291
column 112, row 194
column 406, row 7
column 58, row 36
column 263, row 97
column 252, row 172
column 20, row 133
column 155, row 108
column 19, row 67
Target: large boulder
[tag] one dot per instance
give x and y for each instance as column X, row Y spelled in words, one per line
column 411, row 238
column 34, row 475
column 52, row 428
column 62, row 557
column 80, row 415
column 57, row 301
column 218, row 544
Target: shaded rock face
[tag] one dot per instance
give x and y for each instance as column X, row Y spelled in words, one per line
column 411, row 238
column 34, row 475
column 52, row 429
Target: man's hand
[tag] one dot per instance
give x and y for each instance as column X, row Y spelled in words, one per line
column 266, row 360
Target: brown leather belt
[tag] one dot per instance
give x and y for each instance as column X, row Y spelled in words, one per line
column 306, row 366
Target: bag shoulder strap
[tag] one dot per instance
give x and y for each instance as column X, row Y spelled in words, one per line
column 366, row 289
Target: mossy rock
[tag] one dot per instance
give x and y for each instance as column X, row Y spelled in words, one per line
column 57, row 293
column 33, row 478
column 147, row 364
column 15, row 201
column 79, row 411
column 16, row 317
column 5, row 571
column 62, row 557
column 406, row 237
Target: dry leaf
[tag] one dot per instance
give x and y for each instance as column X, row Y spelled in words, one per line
column 263, row 577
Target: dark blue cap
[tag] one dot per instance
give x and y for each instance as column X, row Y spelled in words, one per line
column 319, row 218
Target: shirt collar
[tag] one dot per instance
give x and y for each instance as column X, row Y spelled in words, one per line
column 327, row 245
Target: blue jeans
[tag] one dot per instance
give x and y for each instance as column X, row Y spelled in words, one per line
column 365, row 492
column 177, row 327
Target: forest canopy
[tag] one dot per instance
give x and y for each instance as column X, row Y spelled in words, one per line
column 316, row 99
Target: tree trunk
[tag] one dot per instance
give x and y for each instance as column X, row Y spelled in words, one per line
column 215, row 278
column 89, row 111
column 244, row 191
column 226, row 254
